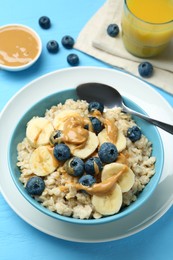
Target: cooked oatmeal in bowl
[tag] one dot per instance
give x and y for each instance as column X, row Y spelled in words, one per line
column 79, row 162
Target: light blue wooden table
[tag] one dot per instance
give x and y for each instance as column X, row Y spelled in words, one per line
column 19, row 240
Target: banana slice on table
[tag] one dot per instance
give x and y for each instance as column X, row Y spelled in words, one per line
column 90, row 146
column 61, row 118
column 108, row 204
column 38, row 131
column 126, row 180
column 42, row 161
column 120, row 143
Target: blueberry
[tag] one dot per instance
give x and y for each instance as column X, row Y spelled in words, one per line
column 86, row 126
column 87, row 180
column 74, row 166
column 53, row 46
column 94, row 105
column 44, row 22
column 134, row 133
column 96, row 124
column 108, row 152
column 73, row 59
column 35, row 186
column 68, row 42
column 145, row 69
column 93, row 166
column 61, row 152
column 113, row 30
column 56, row 137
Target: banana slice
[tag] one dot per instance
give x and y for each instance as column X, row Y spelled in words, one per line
column 120, row 143
column 103, row 137
column 108, row 204
column 126, row 180
column 90, row 146
column 38, row 131
column 61, row 118
column 42, row 161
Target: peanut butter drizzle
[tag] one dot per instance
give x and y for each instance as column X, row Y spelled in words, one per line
column 63, row 189
column 104, row 187
column 96, row 113
column 74, row 131
column 42, row 159
column 96, row 168
column 111, row 130
column 122, row 159
column 18, row 46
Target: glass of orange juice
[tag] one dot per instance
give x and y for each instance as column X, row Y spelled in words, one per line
column 147, row 26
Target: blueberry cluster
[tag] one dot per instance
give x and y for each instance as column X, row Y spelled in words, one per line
column 87, row 171
column 53, row 46
column 145, row 69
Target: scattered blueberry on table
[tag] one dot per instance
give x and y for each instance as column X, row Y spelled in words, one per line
column 134, row 133
column 145, row 69
column 73, row 59
column 67, row 41
column 35, row 185
column 113, row 30
column 44, row 22
column 53, row 46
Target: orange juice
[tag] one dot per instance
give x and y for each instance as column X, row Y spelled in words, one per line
column 152, row 11
column 147, row 26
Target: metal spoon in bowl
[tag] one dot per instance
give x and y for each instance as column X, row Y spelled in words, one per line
column 110, row 97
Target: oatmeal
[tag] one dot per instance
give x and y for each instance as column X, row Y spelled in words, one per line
column 82, row 162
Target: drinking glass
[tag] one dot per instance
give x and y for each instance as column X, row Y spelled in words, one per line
column 144, row 39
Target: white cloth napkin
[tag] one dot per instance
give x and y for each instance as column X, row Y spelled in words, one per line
column 95, row 41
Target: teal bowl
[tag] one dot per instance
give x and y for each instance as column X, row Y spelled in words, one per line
column 39, row 109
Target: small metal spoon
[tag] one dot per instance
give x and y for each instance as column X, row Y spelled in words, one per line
column 110, row 97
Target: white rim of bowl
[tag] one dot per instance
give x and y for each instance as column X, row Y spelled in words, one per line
column 27, row 65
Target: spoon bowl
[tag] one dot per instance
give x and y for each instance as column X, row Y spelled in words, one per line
column 110, row 97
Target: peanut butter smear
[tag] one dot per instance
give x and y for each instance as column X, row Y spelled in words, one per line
column 18, row 46
column 111, row 130
column 122, row 159
column 74, row 131
column 103, row 187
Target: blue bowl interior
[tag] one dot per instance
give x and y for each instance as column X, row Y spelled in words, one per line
column 39, row 110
